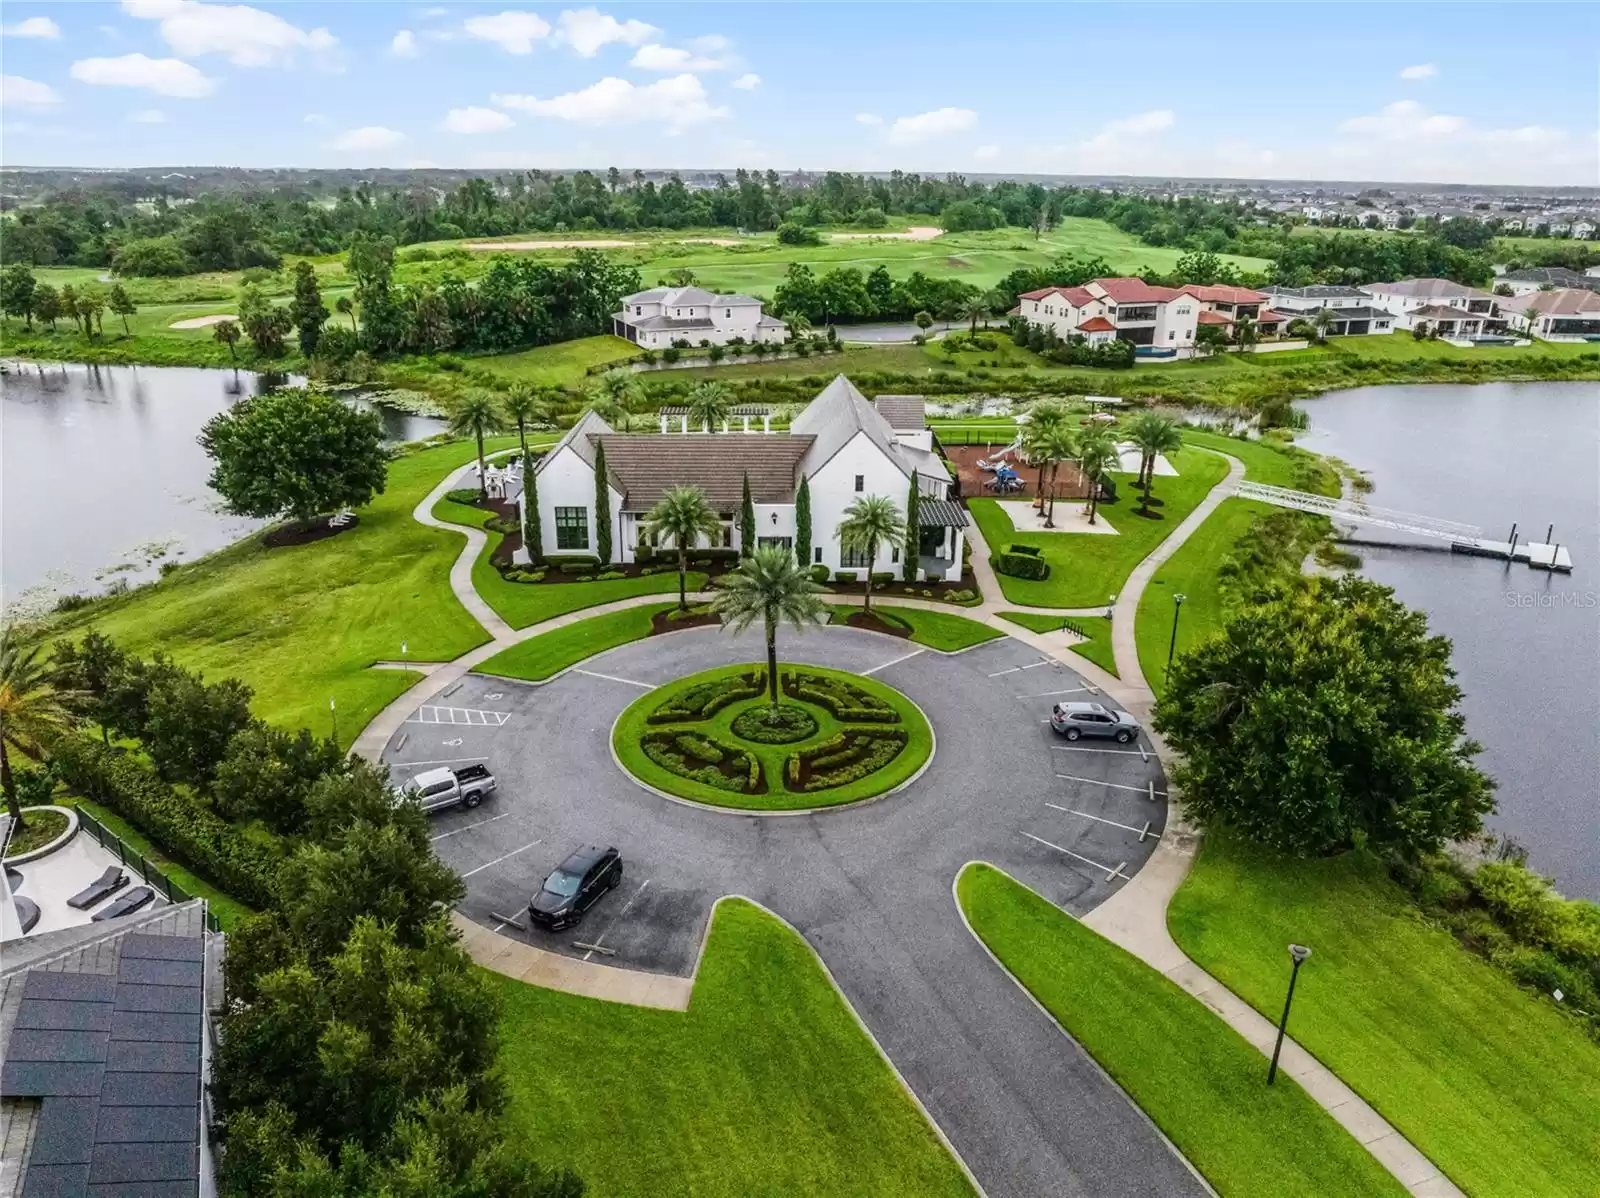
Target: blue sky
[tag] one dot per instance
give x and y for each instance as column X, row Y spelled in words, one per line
column 1404, row 92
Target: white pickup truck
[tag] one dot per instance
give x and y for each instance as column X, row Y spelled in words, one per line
column 437, row 789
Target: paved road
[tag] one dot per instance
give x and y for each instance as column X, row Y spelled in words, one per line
column 869, row 887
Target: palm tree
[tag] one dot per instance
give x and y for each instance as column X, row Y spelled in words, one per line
column 1057, row 443
column 477, row 414
column 620, row 387
column 1245, row 333
column 1322, row 322
column 975, row 309
column 227, row 332
column 524, row 406
column 871, row 521
column 685, row 515
column 1043, row 416
column 1097, row 457
column 709, row 403
column 1530, row 314
column 345, row 307
column 771, row 586
column 799, row 324
column 34, row 706
column 610, row 410
column 1154, row 435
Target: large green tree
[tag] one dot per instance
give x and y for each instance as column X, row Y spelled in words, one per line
column 602, row 506
column 802, row 523
column 263, row 321
column 770, row 586
column 1154, row 435
column 708, row 406
column 747, row 521
column 684, row 515
column 870, row 523
column 16, row 292
column 295, row 452
column 911, row 552
column 1324, row 716
column 120, row 303
column 1098, row 459
column 306, row 310
column 476, row 414
column 47, row 305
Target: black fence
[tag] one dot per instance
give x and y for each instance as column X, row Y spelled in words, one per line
column 142, row 865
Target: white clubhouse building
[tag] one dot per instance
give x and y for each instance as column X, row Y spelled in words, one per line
column 656, row 318
column 843, row 444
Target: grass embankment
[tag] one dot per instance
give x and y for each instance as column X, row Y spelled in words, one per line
column 634, row 724
column 302, row 624
column 561, row 365
column 546, row 655
column 765, row 1086
column 1086, row 568
column 937, row 630
column 230, row 912
column 1097, row 628
column 1495, row 1086
column 520, row 604
column 1242, row 542
column 1201, row 1082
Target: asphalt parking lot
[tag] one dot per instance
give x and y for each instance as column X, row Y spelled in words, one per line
column 869, row 886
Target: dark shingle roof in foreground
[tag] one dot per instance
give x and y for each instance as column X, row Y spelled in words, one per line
column 646, row 466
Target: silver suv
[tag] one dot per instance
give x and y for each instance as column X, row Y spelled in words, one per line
column 1074, row 720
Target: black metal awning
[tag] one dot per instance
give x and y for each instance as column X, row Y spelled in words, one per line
column 941, row 513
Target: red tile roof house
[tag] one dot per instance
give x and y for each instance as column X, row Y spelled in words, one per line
column 1121, row 309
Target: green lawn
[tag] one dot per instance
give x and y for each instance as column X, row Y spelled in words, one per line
column 1199, row 1080
column 1097, row 648
column 634, row 723
column 565, row 364
column 520, row 604
column 302, row 624
column 1496, row 1087
column 546, row 655
column 766, row 1087
column 1085, row 569
column 946, row 633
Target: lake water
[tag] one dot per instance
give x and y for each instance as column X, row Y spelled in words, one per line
column 1527, row 642
column 103, row 478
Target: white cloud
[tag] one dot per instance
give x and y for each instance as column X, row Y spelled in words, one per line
column 164, row 76
column 315, row 118
column 405, row 45
column 476, row 120
column 248, row 37
column 148, row 116
column 368, row 137
column 986, row 153
column 1114, row 136
column 588, row 31
column 926, row 126
column 1423, row 70
column 747, row 83
column 678, row 102
column 1404, row 120
column 514, row 32
column 33, row 27
column 17, row 92
column 656, row 57
column 868, row 118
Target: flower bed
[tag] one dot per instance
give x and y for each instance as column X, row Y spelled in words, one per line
column 838, row 738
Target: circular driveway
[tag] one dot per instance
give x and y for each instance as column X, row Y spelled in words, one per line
column 869, row 886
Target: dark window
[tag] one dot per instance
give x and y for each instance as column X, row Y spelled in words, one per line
column 818, row 556
column 861, row 483
column 855, row 558
column 572, row 528
column 895, row 556
column 727, row 536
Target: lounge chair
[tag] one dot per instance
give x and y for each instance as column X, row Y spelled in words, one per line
column 126, row 905
column 27, row 913
column 106, row 884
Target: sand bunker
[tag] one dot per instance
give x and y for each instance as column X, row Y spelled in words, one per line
column 915, row 233
column 550, row 245
column 709, row 240
column 202, row 322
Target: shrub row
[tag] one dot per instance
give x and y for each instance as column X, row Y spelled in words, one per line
column 792, row 724
column 704, row 701
column 734, row 770
column 182, row 825
column 845, row 702
column 846, row 758
column 1020, row 565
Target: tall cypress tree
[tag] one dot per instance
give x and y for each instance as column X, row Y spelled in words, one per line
column 602, row 506
column 802, row 523
column 532, row 534
column 913, row 545
column 747, row 521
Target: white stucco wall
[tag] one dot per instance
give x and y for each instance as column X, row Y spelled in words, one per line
column 833, row 490
column 568, row 481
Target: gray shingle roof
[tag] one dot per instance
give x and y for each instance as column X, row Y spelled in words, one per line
column 903, row 412
column 834, row 417
column 1317, row 291
column 647, row 465
column 686, row 296
column 578, row 438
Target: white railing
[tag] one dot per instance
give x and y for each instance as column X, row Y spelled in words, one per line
column 1359, row 513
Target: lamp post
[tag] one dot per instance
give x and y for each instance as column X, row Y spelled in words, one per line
column 1177, row 606
column 1299, row 953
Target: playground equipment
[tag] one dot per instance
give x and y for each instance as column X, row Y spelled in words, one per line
column 995, row 463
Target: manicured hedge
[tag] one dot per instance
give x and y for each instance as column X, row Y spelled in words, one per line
column 701, row 759
column 842, row 759
column 1020, row 565
column 793, row 724
column 847, row 703
column 243, row 865
column 704, row 701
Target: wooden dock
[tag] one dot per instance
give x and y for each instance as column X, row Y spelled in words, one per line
column 1538, row 555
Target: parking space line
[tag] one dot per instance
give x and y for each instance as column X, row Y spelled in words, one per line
column 596, row 942
column 1142, row 832
column 1109, row 872
column 498, row 860
column 1017, row 669
column 1147, row 788
column 468, row 827
column 440, row 761
column 430, row 713
column 649, row 686
column 1092, row 749
column 895, row 662
column 1077, row 690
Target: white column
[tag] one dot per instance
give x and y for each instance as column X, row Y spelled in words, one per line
column 663, row 426
column 683, row 423
column 747, row 424
column 766, row 422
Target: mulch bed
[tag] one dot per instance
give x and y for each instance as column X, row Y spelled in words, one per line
column 1070, row 483
column 896, row 589
column 872, row 622
column 298, row 534
column 660, row 622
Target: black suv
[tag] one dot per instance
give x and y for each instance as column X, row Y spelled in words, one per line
column 575, row 886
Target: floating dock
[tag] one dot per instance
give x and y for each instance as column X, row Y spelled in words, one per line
column 1537, row 554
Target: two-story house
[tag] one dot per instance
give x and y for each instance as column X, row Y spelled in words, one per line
column 1122, row 309
column 656, row 318
column 1439, row 303
column 1353, row 312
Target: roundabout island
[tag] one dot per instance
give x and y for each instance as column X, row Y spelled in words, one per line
column 728, row 738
